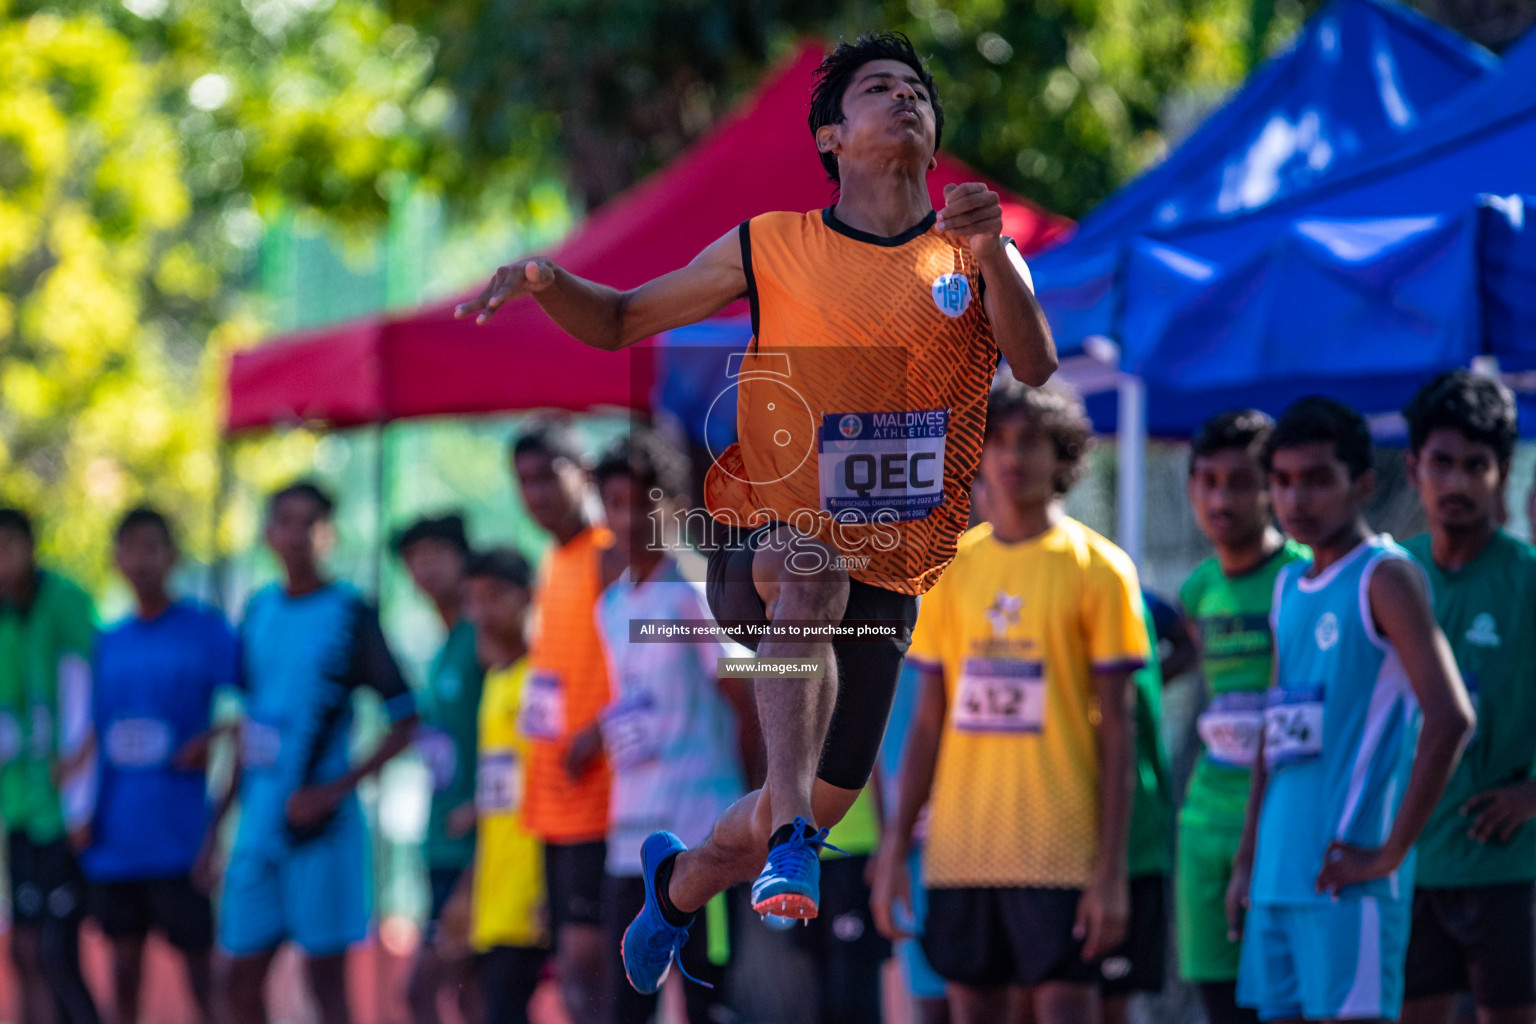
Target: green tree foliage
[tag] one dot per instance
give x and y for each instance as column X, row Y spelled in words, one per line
column 1059, row 99
column 140, row 146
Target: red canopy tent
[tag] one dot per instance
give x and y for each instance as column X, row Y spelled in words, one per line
column 758, row 159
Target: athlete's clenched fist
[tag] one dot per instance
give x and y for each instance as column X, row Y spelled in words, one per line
column 974, row 213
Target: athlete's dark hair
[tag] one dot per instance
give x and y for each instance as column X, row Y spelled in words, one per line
column 1479, row 408
column 547, row 436
column 17, row 521
column 449, row 529
column 501, row 564
column 303, row 489
column 648, row 459
column 837, row 70
column 1318, row 419
column 1060, row 414
column 1245, row 430
column 143, row 515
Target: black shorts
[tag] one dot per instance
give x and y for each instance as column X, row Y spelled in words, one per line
column 1015, row 936
column 172, row 906
column 867, row 670
column 573, row 876
column 508, row 976
column 1481, row 939
column 45, row 881
column 1141, row 961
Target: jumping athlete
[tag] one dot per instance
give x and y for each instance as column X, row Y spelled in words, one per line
column 860, row 405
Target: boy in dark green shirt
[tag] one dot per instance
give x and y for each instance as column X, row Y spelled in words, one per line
column 436, row 553
column 1473, row 922
column 47, row 631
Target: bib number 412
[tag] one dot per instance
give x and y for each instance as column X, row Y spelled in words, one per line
column 1000, row 695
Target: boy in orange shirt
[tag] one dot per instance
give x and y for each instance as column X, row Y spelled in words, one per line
column 568, row 779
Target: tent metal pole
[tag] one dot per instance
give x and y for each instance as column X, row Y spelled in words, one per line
column 1131, row 460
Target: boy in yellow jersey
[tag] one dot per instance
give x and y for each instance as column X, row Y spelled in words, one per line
column 850, row 484
column 1023, row 742
column 508, row 926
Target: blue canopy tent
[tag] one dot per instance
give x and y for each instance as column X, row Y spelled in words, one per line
column 1414, row 260
column 1361, row 74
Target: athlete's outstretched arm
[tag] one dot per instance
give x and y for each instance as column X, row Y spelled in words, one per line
column 891, row 882
column 607, row 318
column 1400, row 605
column 975, row 213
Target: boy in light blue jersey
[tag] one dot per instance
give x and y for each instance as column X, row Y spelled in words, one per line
column 299, row 868
column 1340, row 792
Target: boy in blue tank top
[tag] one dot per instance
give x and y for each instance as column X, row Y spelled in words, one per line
column 1340, row 791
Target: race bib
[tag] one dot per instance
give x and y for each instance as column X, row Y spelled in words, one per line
column 138, row 742
column 10, row 737
column 1000, row 695
column 498, row 783
column 260, row 744
column 631, row 730
column 438, row 753
column 890, row 463
column 1293, row 725
column 1230, row 727
column 542, row 716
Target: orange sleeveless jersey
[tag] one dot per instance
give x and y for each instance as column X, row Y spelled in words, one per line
column 862, row 398
column 566, row 645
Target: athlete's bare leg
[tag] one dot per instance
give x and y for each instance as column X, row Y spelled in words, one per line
column 127, row 972
column 737, row 847
column 1059, row 1003
column 242, row 986
column 801, row 584
column 970, row 1004
column 328, row 984
column 1506, row 1015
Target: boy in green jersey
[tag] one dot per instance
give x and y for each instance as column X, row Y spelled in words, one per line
column 1227, row 601
column 47, row 633
column 436, row 552
column 1473, row 924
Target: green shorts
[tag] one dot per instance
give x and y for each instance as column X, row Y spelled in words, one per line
column 1200, row 897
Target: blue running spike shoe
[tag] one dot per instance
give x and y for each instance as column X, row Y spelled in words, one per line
column 790, row 885
column 650, row 943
